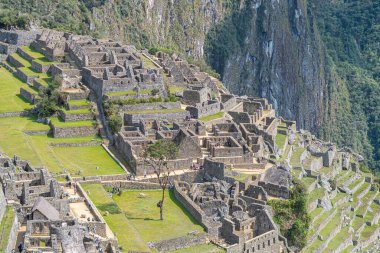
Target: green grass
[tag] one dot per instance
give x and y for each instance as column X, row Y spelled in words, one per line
column 217, row 115
column 204, row 248
column 44, row 61
column 156, row 111
column 337, row 240
column 367, row 232
column 148, row 63
column 295, row 159
column 32, row 53
column 175, row 89
column 10, row 100
column 21, row 60
column 144, row 215
column 29, row 72
column 37, row 149
column 280, row 140
column 316, row 194
column 81, row 102
column 58, row 122
column 79, row 111
column 44, row 81
column 126, row 234
column 308, row 180
column 127, row 92
column 86, row 160
column 5, row 227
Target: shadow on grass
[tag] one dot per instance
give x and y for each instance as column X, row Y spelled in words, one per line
column 112, row 208
column 23, row 99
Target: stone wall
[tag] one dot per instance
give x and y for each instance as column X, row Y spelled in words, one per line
column 18, row 37
column 76, row 116
column 24, row 77
column 14, row 62
column 179, row 242
column 74, row 131
column 27, row 95
column 151, row 106
column 275, row 190
column 15, row 114
column 38, row 67
column 199, row 111
column 3, row 204
column 129, row 119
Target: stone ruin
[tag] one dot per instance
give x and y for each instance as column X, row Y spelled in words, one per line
column 234, row 214
column 41, row 205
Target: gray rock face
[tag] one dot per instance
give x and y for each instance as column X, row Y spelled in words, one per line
column 278, row 56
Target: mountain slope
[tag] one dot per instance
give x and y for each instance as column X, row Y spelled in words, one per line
column 316, row 61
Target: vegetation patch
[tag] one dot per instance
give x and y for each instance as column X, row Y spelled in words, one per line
column 5, row 227
column 212, row 117
column 292, row 216
column 10, row 100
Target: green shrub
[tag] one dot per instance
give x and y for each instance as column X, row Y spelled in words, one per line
column 292, row 216
column 115, row 123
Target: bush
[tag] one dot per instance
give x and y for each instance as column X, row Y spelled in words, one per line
column 292, row 216
column 115, row 123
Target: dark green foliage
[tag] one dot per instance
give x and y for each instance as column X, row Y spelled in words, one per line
column 115, row 123
column 50, row 99
column 292, row 216
column 114, row 119
column 11, row 18
column 351, row 33
column 162, row 150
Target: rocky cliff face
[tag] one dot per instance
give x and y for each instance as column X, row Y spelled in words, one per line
column 179, row 24
column 280, row 58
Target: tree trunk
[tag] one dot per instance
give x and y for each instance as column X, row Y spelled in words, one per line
column 162, row 204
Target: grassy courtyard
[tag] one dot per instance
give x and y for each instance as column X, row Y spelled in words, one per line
column 37, row 149
column 217, row 115
column 10, row 100
column 135, row 219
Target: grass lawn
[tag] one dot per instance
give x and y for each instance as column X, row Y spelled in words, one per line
column 143, row 214
column 5, row 227
column 81, row 102
column 32, row 53
column 37, row 150
column 21, row 60
column 217, row 115
column 204, row 248
column 58, row 122
column 308, row 180
column 338, row 239
column 174, row 89
column 86, row 159
column 148, row 63
column 128, row 238
column 79, row 111
column 10, row 100
column 127, row 92
column 295, row 160
column 280, row 140
column 44, row 81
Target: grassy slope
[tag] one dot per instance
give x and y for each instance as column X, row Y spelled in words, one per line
column 5, row 227
column 144, row 215
column 136, row 220
column 10, row 100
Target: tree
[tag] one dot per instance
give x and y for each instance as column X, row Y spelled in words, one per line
column 115, row 123
column 157, row 156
